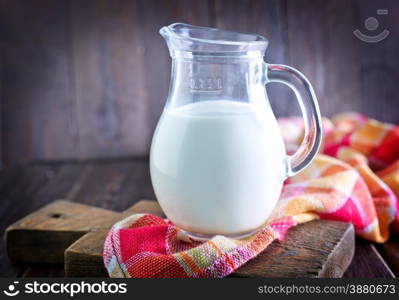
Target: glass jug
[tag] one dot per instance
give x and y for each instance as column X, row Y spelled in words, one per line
column 217, row 158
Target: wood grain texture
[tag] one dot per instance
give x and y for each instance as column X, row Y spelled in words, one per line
column 26, row 188
column 38, row 119
column 322, row 46
column 380, row 71
column 325, row 248
column 315, row 249
column 16, row 194
column 368, row 263
column 89, row 79
column 109, row 84
column 390, row 253
column 84, row 257
column 43, row 236
column 113, row 185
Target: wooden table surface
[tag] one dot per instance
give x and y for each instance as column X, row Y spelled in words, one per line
column 116, row 185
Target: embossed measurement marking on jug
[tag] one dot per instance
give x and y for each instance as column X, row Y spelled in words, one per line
column 207, row 85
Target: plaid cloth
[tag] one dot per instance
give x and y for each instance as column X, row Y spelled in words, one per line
column 355, row 180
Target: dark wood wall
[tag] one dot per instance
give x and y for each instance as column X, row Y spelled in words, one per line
column 88, row 79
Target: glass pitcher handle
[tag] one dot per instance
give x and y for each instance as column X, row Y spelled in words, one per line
column 310, row 111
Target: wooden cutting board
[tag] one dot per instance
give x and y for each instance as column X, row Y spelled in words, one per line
column 73, row 234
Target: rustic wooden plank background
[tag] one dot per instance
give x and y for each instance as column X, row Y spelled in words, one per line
column 88, row 79
column 117, row 185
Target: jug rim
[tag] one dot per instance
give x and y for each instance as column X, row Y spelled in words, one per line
column 197, row 37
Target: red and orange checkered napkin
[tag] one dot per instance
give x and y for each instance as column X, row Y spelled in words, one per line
column 356, row 180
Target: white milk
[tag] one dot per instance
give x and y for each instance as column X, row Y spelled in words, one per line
column 217, row 167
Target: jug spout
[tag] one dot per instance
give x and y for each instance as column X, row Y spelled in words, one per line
column 206, row 40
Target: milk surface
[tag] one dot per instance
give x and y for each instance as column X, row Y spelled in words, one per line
column 217, row 167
